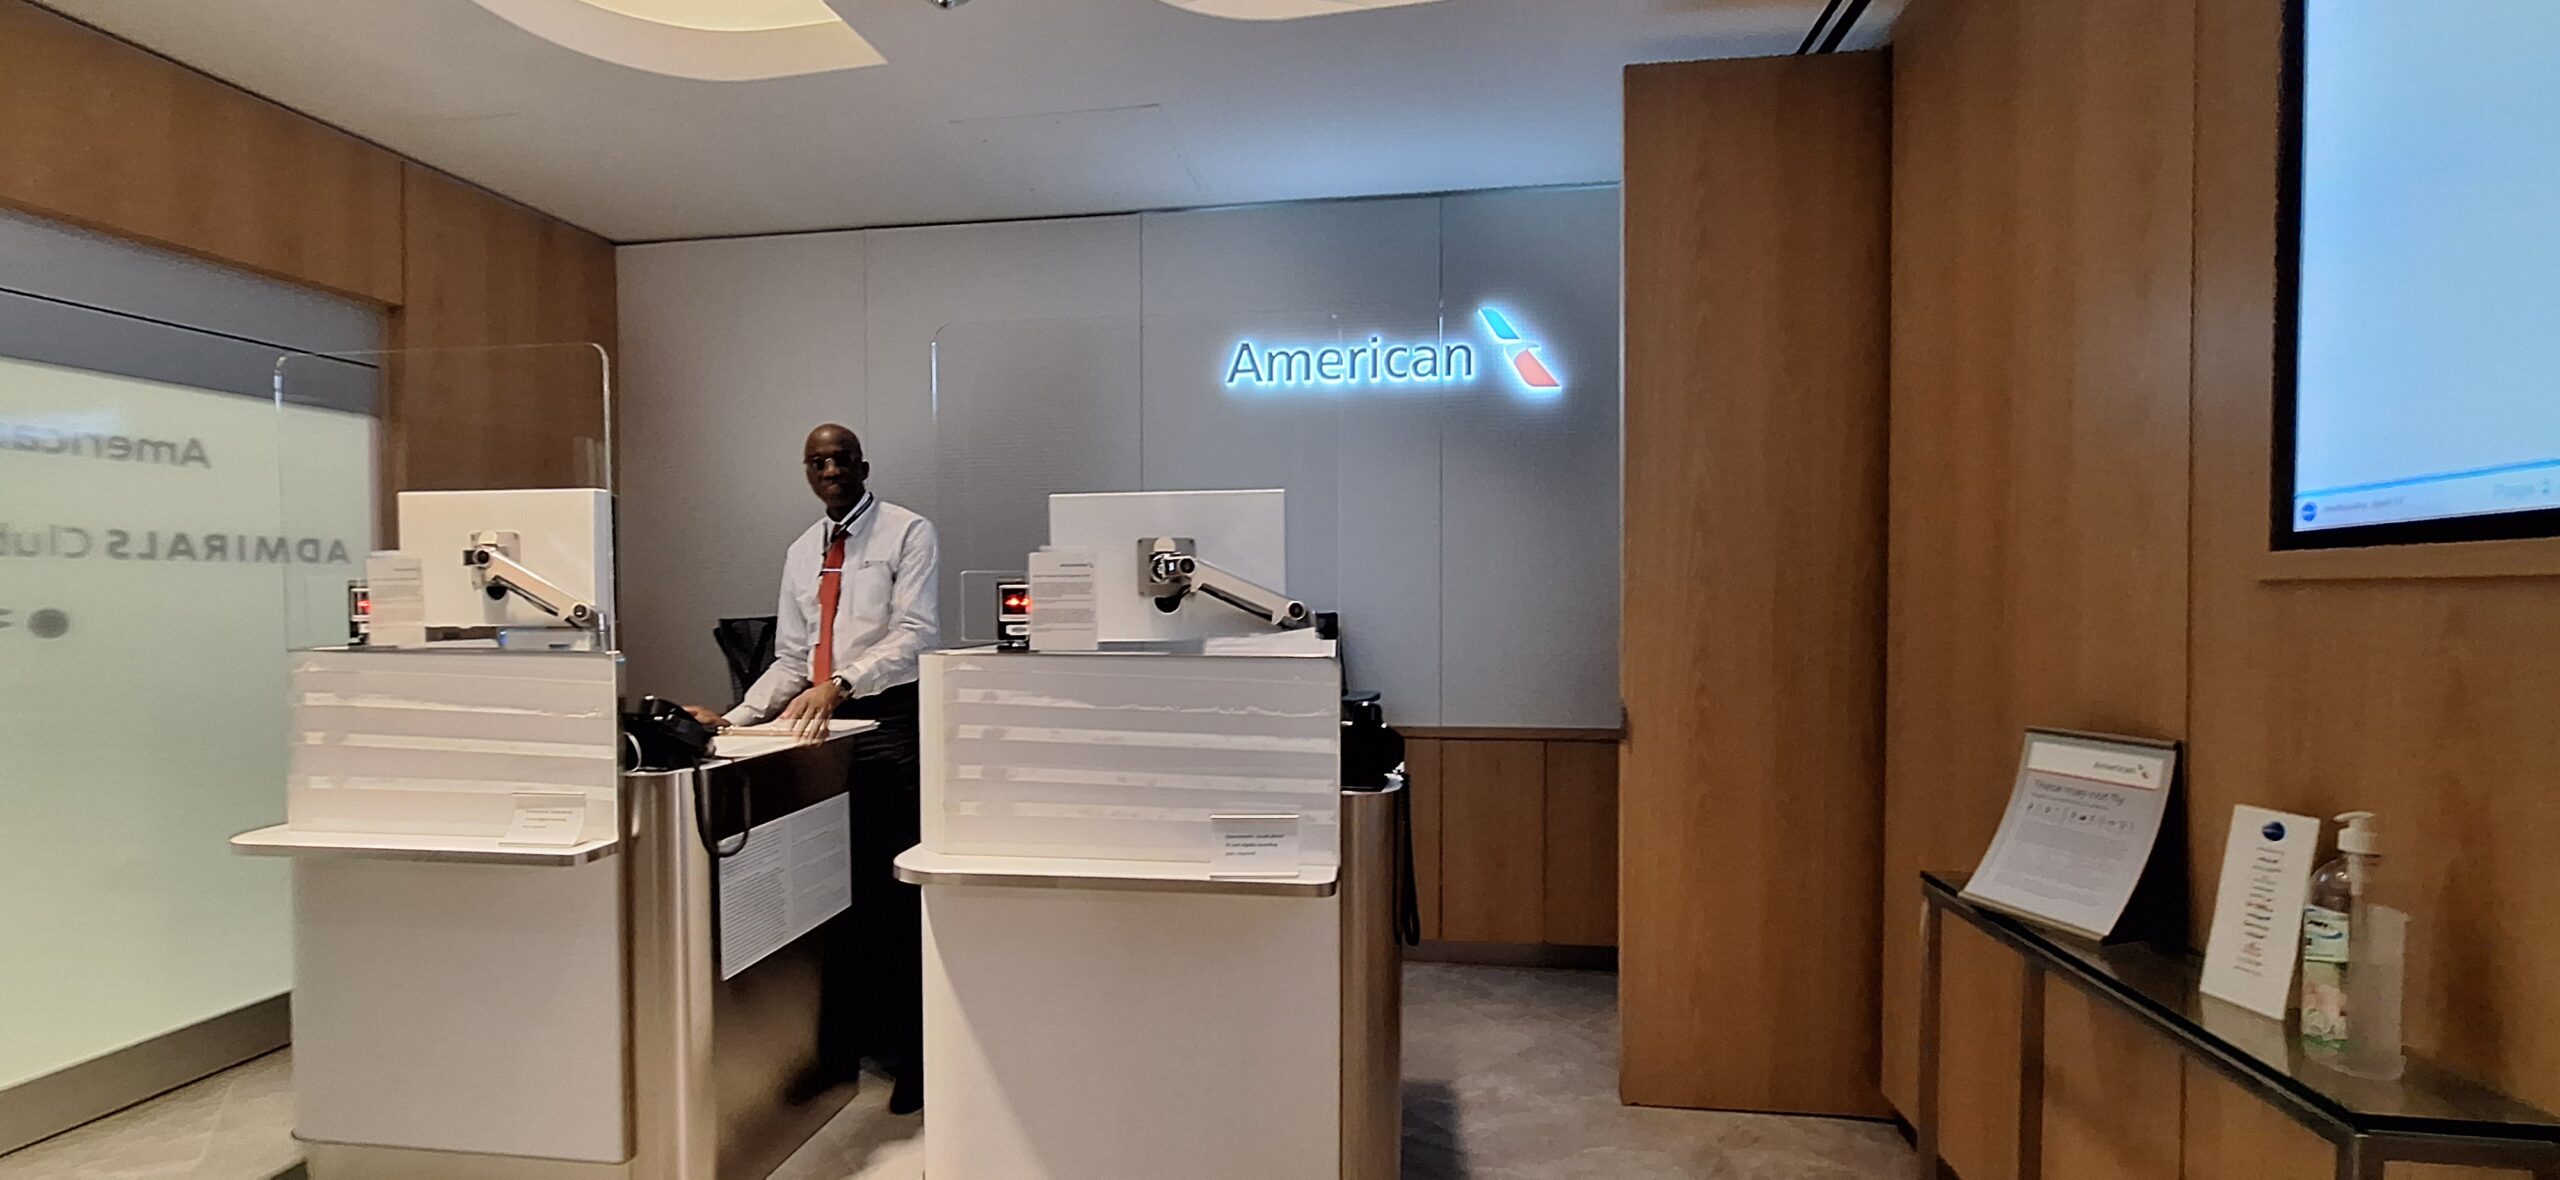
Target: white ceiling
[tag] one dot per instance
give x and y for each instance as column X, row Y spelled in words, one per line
column 998, row 109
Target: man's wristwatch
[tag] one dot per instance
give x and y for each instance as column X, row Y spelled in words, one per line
column 844, row 687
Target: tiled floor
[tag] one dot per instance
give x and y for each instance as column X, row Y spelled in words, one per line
column 1513, row 1075
column 1510, row 1074
column 237, row 1125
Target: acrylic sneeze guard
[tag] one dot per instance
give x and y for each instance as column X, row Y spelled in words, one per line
column 459, row 977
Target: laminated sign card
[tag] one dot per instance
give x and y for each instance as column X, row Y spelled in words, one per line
column 2082, row 820
column 2257, row 917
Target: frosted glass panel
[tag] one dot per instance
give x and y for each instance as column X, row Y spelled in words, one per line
column 144, row 548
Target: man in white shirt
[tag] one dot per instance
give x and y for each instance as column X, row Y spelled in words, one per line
column 857, row 614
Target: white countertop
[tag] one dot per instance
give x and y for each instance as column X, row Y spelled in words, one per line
column 283, row 840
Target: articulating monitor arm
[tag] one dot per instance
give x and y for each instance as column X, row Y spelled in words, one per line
column 1168, row 571
column 501, row 574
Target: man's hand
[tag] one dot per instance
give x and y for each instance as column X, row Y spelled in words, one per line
column 707, row 717
column 807, row 713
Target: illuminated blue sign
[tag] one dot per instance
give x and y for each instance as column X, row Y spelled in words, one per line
column 1380, row 362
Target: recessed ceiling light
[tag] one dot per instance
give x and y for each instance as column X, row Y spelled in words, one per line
column 709, row 40
column 1283, row 9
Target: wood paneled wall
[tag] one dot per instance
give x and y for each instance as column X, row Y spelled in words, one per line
column 2041, row 249
column 97, row 133
column 1755, row 446
column 2084, row 317
column 2428, row 699
column 1516, row 838
column 100, row 134
column 488, row 272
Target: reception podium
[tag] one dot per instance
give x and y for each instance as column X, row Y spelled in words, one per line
column 1111, row 991
column 639, row 1004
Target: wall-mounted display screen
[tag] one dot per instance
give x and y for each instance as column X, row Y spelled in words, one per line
column 2419, row 356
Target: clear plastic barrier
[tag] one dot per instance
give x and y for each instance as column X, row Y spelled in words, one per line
column 448, row 592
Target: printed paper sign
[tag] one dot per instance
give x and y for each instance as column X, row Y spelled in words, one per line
column 1062, row 610
column 1264, row 845
column 2257, row 915
column 553, row 819
column 2082, row 820
column 791, row 875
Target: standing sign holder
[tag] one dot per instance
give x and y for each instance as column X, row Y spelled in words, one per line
column 2092, row 840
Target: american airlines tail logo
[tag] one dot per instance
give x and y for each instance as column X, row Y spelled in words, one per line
column 1524, row 355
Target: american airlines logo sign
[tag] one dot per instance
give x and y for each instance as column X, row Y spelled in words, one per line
column 1385, row 364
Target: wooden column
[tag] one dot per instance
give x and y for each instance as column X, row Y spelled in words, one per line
column 1751, row 783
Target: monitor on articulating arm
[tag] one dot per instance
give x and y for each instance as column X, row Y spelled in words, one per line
column 528, row 562
column 1182, row 565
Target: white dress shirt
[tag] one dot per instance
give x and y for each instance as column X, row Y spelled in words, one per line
column 886, row 617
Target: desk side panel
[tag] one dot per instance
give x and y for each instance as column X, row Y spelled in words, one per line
column 469, row 1008
column 1137, row 1036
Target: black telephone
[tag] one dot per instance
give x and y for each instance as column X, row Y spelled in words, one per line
column 660, row 735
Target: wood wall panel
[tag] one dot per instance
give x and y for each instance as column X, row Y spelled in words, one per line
column 1750, row 788
column 1581, row 844
column 99, row 134
column 2041, row 336
column 484, row 271
column 1982, row 991
column 2230, row 1132
column 1493, row 841
column 2114, row 1093
column 2428, row 700
column 1422, row 779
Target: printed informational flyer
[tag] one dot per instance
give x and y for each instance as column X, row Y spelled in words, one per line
column 2257, row 915
column 793, row 873
column 2081, row 824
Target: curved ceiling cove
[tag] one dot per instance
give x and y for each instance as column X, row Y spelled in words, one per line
column 707, row 40
column 1284, row 9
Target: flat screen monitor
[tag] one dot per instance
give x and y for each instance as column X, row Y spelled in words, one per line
column 1245, row 532
column 2418, row 350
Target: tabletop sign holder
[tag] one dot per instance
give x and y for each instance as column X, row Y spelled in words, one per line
column 2093, row 841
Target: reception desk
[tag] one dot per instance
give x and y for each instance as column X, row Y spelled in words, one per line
column 468, row 1006
column 1101, row 1001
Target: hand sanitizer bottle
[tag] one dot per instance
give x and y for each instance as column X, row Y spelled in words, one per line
column 2353, row 956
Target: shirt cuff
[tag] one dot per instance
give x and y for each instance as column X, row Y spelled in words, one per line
column 741, row 715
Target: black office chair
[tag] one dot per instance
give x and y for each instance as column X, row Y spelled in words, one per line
column 748, row 646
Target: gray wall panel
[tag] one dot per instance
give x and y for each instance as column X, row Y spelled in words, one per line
column 731, row 352
column 1468, row 534
column 1531, row 484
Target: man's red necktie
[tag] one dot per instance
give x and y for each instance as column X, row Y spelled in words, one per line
column 822, row 661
